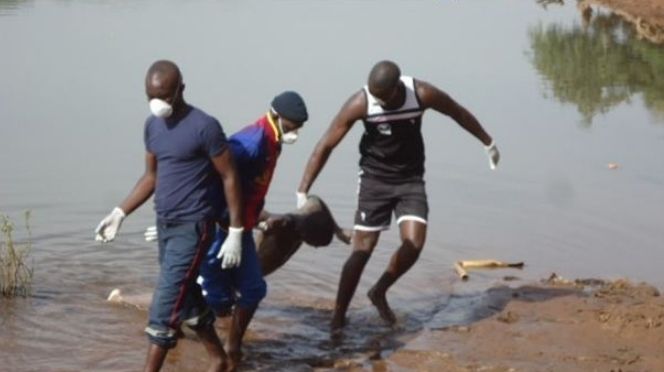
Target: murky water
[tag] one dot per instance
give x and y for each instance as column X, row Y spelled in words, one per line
column 562, row 96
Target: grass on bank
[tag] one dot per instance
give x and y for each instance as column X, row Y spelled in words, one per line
column 15, row 271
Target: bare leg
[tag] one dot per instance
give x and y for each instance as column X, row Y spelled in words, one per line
column 363, row 245
column 413, row 235
column 239, row 324
column 155, row 359
column 210, row 339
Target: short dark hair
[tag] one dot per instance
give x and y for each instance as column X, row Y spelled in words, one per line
column 165, row 68
column 384, row 76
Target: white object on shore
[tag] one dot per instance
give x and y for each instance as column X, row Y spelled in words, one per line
column 139, row 301
column 115, row 296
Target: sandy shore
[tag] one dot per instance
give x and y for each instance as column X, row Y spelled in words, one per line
column 554, row 326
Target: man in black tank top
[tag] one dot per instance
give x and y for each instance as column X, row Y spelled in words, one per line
column 391, row 173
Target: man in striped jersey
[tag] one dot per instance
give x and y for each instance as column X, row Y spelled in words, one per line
column 391, row 173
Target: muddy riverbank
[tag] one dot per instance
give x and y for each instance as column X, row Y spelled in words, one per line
column 555, row 326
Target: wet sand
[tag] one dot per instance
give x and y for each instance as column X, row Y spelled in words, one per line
column 553, row 326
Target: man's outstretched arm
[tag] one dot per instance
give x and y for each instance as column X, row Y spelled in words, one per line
column 109, row 226
column 434, row 98
column 144, row 187
column 350, row 112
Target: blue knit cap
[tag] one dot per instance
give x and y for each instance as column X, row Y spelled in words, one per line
column 290, row 105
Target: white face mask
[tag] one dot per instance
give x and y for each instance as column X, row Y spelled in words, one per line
column 287, row 138
column 160, row 108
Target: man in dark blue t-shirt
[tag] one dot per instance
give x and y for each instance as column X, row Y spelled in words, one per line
column 186, row 164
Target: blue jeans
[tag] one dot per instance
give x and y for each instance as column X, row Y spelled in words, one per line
column 177, row 299
column 243, row 286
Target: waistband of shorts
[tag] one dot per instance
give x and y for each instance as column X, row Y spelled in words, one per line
column 392, row 180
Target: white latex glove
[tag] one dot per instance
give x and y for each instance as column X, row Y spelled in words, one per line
column 230, row 253
column 493, row 154
column 151, row 234
column 301, row 199
column 109, row 226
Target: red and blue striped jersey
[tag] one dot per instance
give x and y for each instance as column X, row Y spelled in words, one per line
column 255, row 149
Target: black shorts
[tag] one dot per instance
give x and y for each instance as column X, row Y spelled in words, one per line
column 377, row 200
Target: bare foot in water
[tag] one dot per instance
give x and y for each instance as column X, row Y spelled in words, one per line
column 234, row 359
column 218, row 365
column 380, row 302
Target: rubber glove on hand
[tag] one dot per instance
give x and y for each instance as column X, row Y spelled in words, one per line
column 230, row 253
column 109, row 226
column 493, row 154
column 151, row 234
column 301, row 199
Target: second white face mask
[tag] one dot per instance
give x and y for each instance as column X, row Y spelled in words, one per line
column 287, row 138
column 160, row 108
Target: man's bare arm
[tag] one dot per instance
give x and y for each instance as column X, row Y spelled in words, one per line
column 432, row 97
column 225, row 166
column 144, row 187
column 350, row 112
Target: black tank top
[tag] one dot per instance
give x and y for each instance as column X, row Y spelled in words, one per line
column 392, row 147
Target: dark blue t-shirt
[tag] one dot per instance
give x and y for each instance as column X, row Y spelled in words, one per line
column 188, row 187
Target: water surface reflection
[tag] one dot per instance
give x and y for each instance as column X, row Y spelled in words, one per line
column 8, row 6
column 599, row 64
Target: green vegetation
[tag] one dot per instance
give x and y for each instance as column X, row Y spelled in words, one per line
column 599, row 65
column 15, row 272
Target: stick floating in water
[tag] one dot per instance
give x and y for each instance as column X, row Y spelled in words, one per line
column 461, row 266
column 460, row 271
